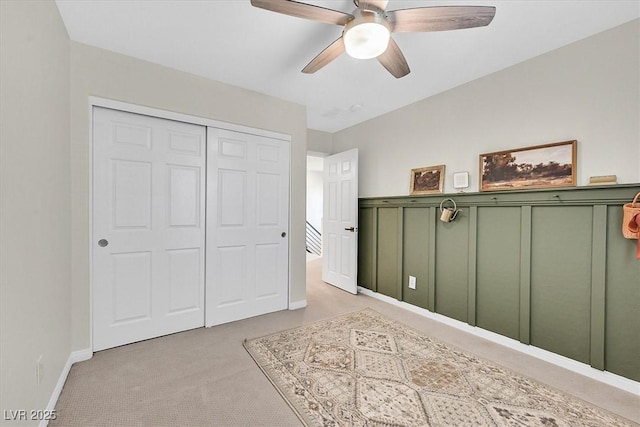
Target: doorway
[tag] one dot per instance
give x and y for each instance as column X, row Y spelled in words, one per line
column 315, row 168
column 332, row 202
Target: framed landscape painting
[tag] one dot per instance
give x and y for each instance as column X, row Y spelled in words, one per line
column 427, row 180
column 540, row 166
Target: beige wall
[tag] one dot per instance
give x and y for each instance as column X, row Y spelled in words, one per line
column 97, row 72
column 589, row 91
column 318, row 141
column 35, row 202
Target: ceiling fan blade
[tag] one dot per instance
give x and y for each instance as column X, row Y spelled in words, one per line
column 303, row 10
column 393, row 60
column 330, row 53
column 440, row 18
column 373, row 4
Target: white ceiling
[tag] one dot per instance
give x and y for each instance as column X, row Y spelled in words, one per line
column 235, row 43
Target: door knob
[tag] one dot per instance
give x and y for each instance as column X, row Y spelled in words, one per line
column 284, row 234
column 351, row 229
column 103, row 242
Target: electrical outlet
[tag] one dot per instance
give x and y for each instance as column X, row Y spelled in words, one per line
column 39, row 369
column 412, row 282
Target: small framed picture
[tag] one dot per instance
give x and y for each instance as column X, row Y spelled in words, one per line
column 428, row 180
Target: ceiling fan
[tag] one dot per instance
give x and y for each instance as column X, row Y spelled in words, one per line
column 367, row 29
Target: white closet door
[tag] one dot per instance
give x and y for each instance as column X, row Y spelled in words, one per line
column 247, row 225
column 148, row 227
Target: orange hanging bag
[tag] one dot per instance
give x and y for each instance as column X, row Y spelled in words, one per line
column 631, row 221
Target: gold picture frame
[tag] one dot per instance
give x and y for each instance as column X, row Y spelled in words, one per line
column 539, row 166
column 427, row 180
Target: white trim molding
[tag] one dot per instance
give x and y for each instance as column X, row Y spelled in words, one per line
column 95, row 101
column 74, row 357
column 296, row 305
column 606, row 377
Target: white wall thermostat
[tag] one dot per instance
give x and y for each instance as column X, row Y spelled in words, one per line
column 461, row 180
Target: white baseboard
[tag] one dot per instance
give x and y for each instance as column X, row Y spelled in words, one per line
column 295, row 305
column 74, row 357
column 564, row 362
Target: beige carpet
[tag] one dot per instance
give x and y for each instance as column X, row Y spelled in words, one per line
column 363, row 369
column 204, row 377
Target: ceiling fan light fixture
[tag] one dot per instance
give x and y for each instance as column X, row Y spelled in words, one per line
column 366, row 36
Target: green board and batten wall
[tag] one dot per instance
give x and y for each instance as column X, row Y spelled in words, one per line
column 549, row 268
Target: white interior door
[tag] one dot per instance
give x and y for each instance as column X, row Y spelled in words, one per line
column 247, row 225
column 340, row 221
column 148, row 227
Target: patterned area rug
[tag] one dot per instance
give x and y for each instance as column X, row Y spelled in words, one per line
column 362, row 369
